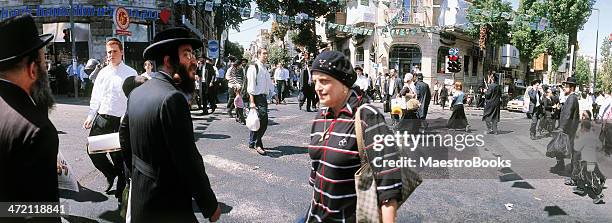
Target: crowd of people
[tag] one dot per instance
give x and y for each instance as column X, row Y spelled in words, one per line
column 159, row 166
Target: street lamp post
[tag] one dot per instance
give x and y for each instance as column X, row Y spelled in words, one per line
column 596, row 47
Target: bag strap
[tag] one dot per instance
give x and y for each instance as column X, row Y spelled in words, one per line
column 359, row 134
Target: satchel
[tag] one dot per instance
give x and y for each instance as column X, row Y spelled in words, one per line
column 558, row 147
column 365, row 182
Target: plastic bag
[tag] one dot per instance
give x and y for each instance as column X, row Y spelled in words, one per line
column 397, row 104
column 558, row 146
column 252, row 120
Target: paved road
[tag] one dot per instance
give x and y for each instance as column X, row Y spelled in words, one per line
column 274, row 188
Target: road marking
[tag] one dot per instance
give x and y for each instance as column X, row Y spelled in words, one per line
column 238, row 168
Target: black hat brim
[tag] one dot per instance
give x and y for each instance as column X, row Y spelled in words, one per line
column 44, row 40
column 569, row 82
column 152, row 51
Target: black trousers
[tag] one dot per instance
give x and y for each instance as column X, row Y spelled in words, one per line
column 261, row 105
column 280, row 89
column 230, row 100
column 534, row 121
column 106, row 124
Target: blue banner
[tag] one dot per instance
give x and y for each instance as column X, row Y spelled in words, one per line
column 406, row 17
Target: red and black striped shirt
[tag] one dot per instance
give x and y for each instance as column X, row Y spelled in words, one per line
column 335, row 159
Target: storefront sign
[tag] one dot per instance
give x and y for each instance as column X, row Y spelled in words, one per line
column 213, row 49
column 78, row 11
column 122, row 22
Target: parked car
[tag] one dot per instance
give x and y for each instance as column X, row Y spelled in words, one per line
column 516, row 104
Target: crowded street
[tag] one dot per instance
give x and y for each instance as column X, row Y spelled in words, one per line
column 305, row 111
column 273, row 188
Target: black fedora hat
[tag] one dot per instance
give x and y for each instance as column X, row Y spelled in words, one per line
column 536, row 81
column 169, row 38
column 20, row 37
column 570, row 81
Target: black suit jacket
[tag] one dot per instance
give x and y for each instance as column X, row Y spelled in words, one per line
column 397, row 86
column 424, row 96
column 158, row 129
column 307, row 89
column 570, row 117
column 28, row 150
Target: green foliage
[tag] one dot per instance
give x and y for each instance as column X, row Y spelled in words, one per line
column 234, row 49
column 229, row 17
column 583, row 71
column 277, row 55
column 278, row 31
column 604, row 75
column 568, row 16
column 306, row 35
column 490, row 13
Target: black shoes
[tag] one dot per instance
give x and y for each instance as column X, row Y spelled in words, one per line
column 110, row 180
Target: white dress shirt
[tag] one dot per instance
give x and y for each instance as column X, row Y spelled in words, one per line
column 107, row 96
column 362, row 82
column 264, row 82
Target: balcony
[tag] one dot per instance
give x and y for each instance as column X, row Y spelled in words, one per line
column 361, row 13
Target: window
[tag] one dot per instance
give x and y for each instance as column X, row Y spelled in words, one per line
column 442, row 54
column 359, row 55
column 466, row 66
column 474, row 66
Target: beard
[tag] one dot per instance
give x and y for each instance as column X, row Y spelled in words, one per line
column 41, row 91
column 185, row 80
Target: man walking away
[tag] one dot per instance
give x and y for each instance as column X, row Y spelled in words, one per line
column 168, row 170
column 535, row 107
column 492, row 104
column 424, row 97
column 108, row 103
column 259, row 84
column 306, row 84
column 28, row 139
column 443, row 96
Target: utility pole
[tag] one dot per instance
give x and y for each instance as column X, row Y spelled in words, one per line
column 596, row 46
column 75, row 70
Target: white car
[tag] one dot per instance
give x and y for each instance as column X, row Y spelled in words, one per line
column 516, row 104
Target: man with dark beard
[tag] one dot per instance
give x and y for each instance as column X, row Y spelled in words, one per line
column 168, row 169
column 28, row 139
column 108, row 103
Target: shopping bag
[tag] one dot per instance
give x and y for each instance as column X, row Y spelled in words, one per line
column 66, row 179
column 367, row 209
column 103, row 143
column 558, row 147
column 397, row 104
column 252, row 120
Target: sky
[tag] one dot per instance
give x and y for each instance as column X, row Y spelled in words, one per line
column 586, row 36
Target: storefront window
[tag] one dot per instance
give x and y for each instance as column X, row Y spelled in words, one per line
column 359, row 55
column 404, row 58
column 442, row 54
column 474, row 66
column 466, row 66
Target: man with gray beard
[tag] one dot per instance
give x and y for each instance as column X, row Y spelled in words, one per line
column 28, row 139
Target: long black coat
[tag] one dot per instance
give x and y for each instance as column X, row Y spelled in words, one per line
column 570, row 116
column 28, row 150
column 307, row 89
column 424, row 97
column 159, row 130
column 492, row 103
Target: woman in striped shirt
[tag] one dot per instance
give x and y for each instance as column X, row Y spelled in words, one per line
column 333, row 146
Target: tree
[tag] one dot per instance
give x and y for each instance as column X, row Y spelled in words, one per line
column 568, row 16
column 492, row 15
column 583, row 71
column 306, row 36
column 604, row 75
column 277, row 55
column 228, row 15
column 234, row 49
column 278, row 31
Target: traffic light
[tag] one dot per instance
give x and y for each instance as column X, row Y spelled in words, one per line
column 372, row 56
column 67, row 35
column 454, row 65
